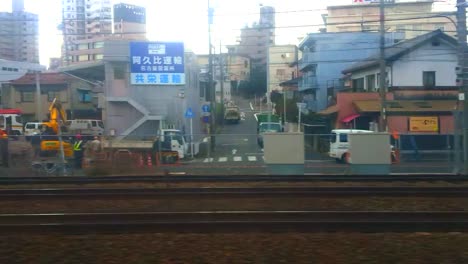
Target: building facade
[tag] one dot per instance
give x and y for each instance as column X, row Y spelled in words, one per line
column 83, row 20
column 22, row 29
column 421, row 82
column 138, row 111
column 255, row 40
column 409, row 18
column 279, row 68
column 325, row 55
column 21, row 93
column 129, row 21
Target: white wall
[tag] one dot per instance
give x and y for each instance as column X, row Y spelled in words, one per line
column 408, row 70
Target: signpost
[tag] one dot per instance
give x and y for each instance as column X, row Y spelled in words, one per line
column 300, row 106
column 157, row 63
column 189, row 114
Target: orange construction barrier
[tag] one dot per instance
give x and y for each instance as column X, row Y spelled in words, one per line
column 149, row 162
column 140, row 160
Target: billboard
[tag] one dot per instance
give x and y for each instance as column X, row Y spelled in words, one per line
column 157, row 63
column 424, row 124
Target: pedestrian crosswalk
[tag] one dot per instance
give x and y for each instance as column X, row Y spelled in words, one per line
column 235, row 159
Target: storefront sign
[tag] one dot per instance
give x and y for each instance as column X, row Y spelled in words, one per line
column 424, row 124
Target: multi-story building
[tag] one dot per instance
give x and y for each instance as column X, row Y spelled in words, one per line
column 254, row 40
column 98, row 18
column 325, row 55
column 130, row 21
column 22, row 29
column 84, row 20
column 411, row 18
column 279, row 68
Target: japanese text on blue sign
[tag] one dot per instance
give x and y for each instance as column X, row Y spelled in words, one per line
column 157, row 63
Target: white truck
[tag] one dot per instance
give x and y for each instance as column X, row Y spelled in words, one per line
column 339, row 144
column 176, row 139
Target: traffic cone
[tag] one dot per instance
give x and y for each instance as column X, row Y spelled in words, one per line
column 140, row 161
column 148, row 160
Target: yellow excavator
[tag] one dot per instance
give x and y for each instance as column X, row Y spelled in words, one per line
column 51, row 137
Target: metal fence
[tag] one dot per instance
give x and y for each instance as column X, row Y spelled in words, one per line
column 234, row 153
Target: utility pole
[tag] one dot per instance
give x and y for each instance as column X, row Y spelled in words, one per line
column 221, row 79
column 463, row 82
column 38, row 97
column 382, row 81
column 210, row 81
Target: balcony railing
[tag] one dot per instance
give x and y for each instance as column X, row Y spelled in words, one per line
column 308, row 82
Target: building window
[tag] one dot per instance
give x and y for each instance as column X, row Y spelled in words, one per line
column 280, row 72
column 358, row 85
column 429, row 79
column 51, row 95
column 84, row 96
column 27, row 97
column 370, row 82
column 119, row 72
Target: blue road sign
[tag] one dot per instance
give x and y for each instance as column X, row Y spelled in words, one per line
column 189, row 113
column 206, row 119
column 206, row 108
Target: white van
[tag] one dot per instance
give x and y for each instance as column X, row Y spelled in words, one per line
column 85, row 126
column 339, row 144
column 33, row 128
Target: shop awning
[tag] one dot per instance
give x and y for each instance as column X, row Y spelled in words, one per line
column 350, row 118
column 404, row 106
column 330, row 110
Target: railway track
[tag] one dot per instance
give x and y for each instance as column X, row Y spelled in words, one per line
column 237, row 221
column 231, row 192
column 223, row 178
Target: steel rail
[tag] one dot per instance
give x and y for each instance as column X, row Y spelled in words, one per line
column 223, row 178
column 236, row 221
column 232, row 192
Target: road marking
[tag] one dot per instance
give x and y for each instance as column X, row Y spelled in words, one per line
column 237, row 158
column 251, row 107
column 222, row 159
column 208, row 160
column 252, row 158
column 234, row 151
column 246, row 139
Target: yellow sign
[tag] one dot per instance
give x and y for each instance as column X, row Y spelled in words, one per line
column 424, row 124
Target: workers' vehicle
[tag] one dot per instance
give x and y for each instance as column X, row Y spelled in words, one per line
column 176, row 139
column 33, row 128
column 11, row 118
column 52, row 130
column 267, row 122
column 267, row 127
column 85, row 127
column 232, row 114
column 339, row 144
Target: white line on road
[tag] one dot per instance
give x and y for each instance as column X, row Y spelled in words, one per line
column 252, row 158
column 208, row 160
column 237, row 158
column 251, row 107
column 234, row 151
column 222, row 159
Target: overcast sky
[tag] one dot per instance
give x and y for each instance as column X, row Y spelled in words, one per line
column 186, row 20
